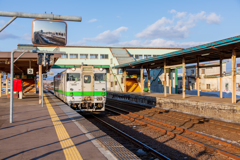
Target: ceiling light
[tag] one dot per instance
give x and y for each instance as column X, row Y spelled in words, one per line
column 206, row 54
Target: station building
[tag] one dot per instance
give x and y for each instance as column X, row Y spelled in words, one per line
column 106, row 57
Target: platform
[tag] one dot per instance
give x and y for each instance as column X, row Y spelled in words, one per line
column 209, row 107
column 48, row 132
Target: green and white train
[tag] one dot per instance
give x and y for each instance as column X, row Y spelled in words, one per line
column 83, row 88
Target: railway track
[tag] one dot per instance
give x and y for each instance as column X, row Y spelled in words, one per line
column 209, row 143
column 184, row 119
column 131, row 139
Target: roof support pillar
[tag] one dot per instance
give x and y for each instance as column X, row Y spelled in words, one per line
column 169, row 82
column 149, row 77
column 165, row 78
column 183, row 78
column 124, row 80
column 221, row 77
column 198, row 87
column 0, row 84
column 234, row 100
column 176, row 80
column 6, row 83
column 141, row 80
column 40, row 83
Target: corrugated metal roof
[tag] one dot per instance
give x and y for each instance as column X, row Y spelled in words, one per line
column 207, row 64
column 205, row 47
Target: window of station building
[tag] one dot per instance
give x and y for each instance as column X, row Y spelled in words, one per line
column 103, row 56
column 147, row 56
column 73, row 76
column 84, row 56
column 208, row 86
column 73, row 56
column 64, row 55
column 138, row 56
column 203, row 71
column 192, row 72
column 93, row 56
column 115, row 83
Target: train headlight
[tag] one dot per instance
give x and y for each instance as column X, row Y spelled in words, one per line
column 73, row 69
column 101, row 69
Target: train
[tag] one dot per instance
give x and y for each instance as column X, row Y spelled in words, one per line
column 83, row 88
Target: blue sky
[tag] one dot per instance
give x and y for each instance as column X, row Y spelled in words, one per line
column 152, row 23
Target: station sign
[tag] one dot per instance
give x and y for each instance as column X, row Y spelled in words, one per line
column 30, row 71
column 49, row 32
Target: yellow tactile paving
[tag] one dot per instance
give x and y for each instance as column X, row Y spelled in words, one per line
column 69, row 149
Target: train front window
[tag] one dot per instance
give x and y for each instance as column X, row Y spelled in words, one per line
column 99, row 77
column 73, row 77
column 87, row 79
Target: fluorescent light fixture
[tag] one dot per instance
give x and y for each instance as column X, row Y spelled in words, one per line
column 205, row 54
column 152, row 63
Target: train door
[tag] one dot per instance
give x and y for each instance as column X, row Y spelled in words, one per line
column 87, row 85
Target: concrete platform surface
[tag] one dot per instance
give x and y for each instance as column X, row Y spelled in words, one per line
column 35, row 135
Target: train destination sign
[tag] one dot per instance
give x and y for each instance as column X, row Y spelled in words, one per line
column 49, row 32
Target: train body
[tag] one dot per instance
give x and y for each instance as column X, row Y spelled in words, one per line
column 83, row 88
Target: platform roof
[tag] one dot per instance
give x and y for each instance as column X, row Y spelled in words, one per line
column 206, row 52
column 23, row 63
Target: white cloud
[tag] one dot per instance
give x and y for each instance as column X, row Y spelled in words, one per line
column 158, row 43
column 181, row 14
column 173, row 11
column 6, row 35
column 92, row 20
column 213, row 18
column 108, row 36
column 177, row 29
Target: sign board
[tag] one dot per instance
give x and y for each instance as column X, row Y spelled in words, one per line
column 30, row 71
column 49, row 32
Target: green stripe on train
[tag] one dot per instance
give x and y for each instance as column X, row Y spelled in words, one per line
column 84, row 93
